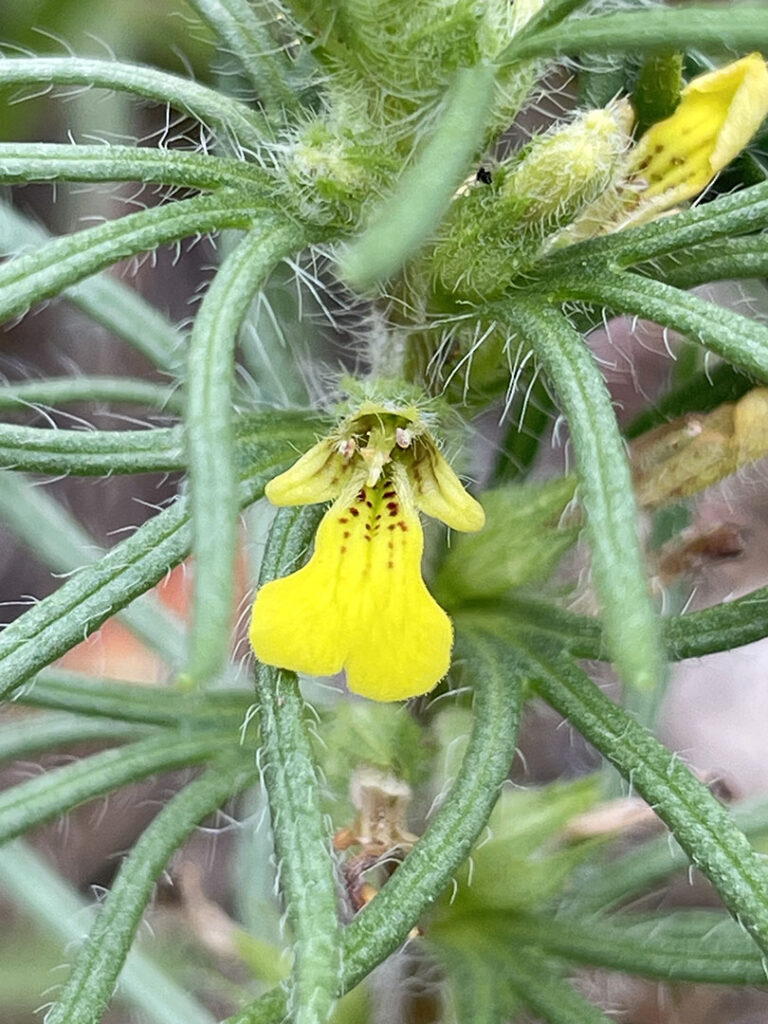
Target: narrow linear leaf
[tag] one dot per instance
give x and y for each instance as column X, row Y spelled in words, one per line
column 91, row 452
column 58, row 908
column 210, row 437
column 699, row 823
column 46, row 796
column 723, row 260
column 27, row 734
column 47, row 161
column 237, row 25
column 135, row 703
column 237, row 122
column 55, row 392
column 407, row 218
column 631, row 626
column 623, row 879
column 737, row 214
column 98, row 964
column 105, row 299
column 582, row 635
column 478, row 993
column 65, row 261
column 732, row 336
column 692, row 946
column 722, row 627
column 89, row 598
column 384, row 924
column 302, row 841
column 535, row 981
column 107, row 452
column 650, row 31
column 58, row 539
column 552, row 12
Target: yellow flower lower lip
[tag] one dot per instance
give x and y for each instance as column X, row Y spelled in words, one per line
column 360, row 603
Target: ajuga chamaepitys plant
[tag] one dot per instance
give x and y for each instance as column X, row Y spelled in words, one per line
column 407, row 279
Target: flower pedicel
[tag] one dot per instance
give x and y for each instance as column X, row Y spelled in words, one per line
column 360, row 603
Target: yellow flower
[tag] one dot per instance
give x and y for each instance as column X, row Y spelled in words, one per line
column 360, row 603
column 717, row 116
column 677, row 158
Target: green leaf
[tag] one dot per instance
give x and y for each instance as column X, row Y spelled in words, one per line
column 522, row 542
column 65, row 261
column 538, row 985
column 139, row 703
column 55, row 792
column 91, row 452
column 522, row 864
column 47, row 161
column 700, row 824
column 741, row 213
column 631, row 626
column 694, row 635
column 55, row 392
column 301, row 837
column 385, row 922
column 732, row 336
column 58, row 539
column 657, row 30
column 697, row 946
column 89, row 988
column 236, row 122
column 61, row 911
column 408, row 217
column 89, row 598
column 724, row 259
column 104, row 298
column 27, row 734
column 550, row 13
column 582, row 635
column 242, row 34
column 720, row 628
column 624, row 878
column 210, row 437
column 477, row 993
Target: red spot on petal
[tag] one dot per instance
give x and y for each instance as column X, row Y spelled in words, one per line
column 390, row 565
column 403, row 526
column 343, row 519
column 354, row 511
column 347, row 534
column 343, row 548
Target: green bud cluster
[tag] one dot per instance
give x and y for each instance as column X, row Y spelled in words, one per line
column 496, row 229
column 389, row 67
